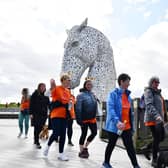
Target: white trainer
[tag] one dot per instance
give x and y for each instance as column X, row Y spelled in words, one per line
column 45, row 152
column 63, row 157
column 19, row 135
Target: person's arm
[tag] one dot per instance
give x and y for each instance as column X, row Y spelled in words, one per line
column 52, row 84
column 32, row 105
column 111, row 111
column 149, row 105
column 56, row 104
column 78, row 109
column 164, row 110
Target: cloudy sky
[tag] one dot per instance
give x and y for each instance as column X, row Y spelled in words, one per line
column 32, row 34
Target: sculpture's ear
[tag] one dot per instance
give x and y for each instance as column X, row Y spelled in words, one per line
column 67, row 31
column 83, row 25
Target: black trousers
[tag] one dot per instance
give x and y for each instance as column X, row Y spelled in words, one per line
column 38, row 126
column 128, row 143
column 84, row 130
column 158, row 136
column 59, row 129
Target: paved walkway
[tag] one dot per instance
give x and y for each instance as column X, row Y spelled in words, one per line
column 21, row 153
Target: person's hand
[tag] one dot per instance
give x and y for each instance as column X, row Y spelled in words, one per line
column 159, row 118
column 120, row 125
column 31, row 116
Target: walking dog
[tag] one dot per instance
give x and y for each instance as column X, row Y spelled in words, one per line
column 44, row 134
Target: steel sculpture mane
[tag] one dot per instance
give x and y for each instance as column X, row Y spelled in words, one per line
column 87, row 47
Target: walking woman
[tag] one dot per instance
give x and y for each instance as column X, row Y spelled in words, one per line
column 155, row 115
column 86, row 109
column 119, row 121
column 59, row 114
column 24, row 112
column 39, row 105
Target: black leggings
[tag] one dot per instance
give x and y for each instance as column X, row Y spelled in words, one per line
column 84, row 129
column 69, row 129
column 128, row 143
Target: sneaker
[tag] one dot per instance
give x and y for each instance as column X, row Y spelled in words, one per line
column 147, row 155
column 19, row 135
column 45, row 152
column 84, row 153
column 63, row 157
column 106, row 165
column 70, row 143
column 154, row 163
column 38, row 146
column 80, row 154
column 26, row 137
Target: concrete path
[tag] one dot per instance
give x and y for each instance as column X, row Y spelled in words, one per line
column 21, row 153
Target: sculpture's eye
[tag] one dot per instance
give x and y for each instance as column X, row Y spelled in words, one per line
column 75, row 44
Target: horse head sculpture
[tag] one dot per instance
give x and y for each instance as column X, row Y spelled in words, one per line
column 87, row 47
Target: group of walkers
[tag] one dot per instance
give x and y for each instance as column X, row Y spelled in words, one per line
column 64, row 108
column 61, row 114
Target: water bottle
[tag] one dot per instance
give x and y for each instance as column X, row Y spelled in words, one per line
column 119, row 132
column 70, row 105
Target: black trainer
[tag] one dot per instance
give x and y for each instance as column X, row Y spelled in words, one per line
column 38, row 146
column 154, row 163
column 147, row 155
column 70, row 143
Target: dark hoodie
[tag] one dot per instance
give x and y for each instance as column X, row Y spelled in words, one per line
column 39, row 104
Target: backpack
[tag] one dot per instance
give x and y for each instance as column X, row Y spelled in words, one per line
column 142, row 102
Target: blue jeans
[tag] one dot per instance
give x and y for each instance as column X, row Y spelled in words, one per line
column 23, row 118
column 59, row 129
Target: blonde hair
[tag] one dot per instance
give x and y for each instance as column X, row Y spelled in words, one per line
column 64, row 77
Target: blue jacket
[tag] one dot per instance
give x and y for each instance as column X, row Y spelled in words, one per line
column 114, row 110
column 86, row 106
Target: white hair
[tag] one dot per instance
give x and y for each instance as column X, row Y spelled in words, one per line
column 152, row 79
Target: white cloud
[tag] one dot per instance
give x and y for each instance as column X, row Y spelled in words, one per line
column 166, row 15
column 136, row 1
column 32, row 34
column 142, row 1
column 147, row 14
column 146, row 55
